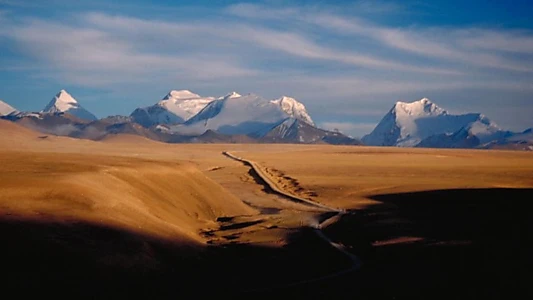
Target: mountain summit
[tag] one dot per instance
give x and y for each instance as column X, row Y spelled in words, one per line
column 294, row 109
column 248, row 115
column 422, row 107
column 423, row 123
column 176, row 107
column 181, row 94
column 6, row 109
column 63, row 102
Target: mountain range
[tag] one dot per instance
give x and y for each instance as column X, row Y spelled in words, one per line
column 185, row 117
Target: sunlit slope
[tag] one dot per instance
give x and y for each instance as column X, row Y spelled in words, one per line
column 169, row 199
column 163, row 198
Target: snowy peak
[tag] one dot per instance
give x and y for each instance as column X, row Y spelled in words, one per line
column 186, row 107
column 179, row 97
column 409, row 124
column 248, row 114
column 63, row 102
column 293, row 108
column 181, row 94
column 422, row 107
column 6, row 109
column 176, row 107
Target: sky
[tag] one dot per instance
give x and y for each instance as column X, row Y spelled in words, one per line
column 349, row 62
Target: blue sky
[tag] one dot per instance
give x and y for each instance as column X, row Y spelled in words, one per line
column 348, row 62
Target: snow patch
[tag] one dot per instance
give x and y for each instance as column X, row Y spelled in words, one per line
column 181, row 94
column 6, row 109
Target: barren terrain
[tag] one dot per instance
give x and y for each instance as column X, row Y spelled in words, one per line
column 136, row 217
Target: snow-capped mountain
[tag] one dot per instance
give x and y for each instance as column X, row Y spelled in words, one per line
column 283, row 120
column 185, row 117
column 422, row 123
column 249, row 115
column 294, row 109
column 235, row 115
column 63, row 102
column 6, row 109
column 176, row 107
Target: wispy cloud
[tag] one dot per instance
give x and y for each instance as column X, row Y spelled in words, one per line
column 119, row 47
column 518, row 41
column 291, row 43
column 361, row 86
column 434, row 42
column 331, row 58
column 114, row 48
column 77, row 51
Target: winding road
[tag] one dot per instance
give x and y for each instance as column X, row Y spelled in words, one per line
column 318, row 226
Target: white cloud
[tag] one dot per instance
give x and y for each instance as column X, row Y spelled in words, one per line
column 97, row 49
column 518, row 41
column 434, row 42
column 287, row 42
column 361, row 86
column 90, row 55
column 328, row 61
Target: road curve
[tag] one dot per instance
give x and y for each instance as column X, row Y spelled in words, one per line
column 356, row 262
column 268, row 181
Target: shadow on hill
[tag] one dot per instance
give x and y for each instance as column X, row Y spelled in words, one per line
column 447, row 244
column 83, row 260
column 464, row 244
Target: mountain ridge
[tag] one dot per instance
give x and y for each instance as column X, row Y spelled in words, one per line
column 251, row 118
column 227, row 119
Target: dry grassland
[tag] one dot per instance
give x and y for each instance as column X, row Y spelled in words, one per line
column 165, row 217
column 348, row 176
